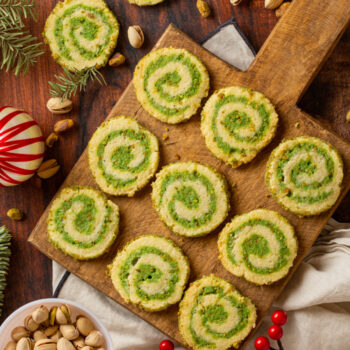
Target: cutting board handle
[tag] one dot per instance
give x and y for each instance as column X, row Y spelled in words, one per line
column 298, row 46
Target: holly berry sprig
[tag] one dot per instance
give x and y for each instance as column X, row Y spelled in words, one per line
column 166, row 345
column 279, row 318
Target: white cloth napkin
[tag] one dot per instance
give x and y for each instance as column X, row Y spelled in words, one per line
column 317, row 298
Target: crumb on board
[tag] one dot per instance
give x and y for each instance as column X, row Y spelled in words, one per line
column 165, row 136
column 296, row 125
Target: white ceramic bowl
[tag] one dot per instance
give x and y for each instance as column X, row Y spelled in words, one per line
column 17, row 318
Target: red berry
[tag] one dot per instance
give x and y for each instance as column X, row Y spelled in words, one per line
column 276, row 332
column 166, row 345
column 279, row 317
column 262, row 343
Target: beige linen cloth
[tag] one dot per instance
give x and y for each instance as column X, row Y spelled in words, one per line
column 317, row 298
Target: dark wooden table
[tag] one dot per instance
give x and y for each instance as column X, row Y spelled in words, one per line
column 328, row 99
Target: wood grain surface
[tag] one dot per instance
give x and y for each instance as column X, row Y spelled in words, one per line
column 282, row 75
column 328, row 99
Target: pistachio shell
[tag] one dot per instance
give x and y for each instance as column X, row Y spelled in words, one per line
column 79, row 343
column 11, row 345
column 69, row 332
column 45, row 344
column 95, row 339
column 63, row 315
column 41, row 314
column 58, row 106
column 38, row 335
column 30, row 324
column 65, row 344
column 85, row 326
column 50, row 331
column 24, row 344
column 56, row 336
column 19, row 332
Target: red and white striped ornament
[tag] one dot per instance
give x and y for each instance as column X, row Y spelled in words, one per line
column 21, row 146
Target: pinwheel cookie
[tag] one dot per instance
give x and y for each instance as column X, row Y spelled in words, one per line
column 81, row 33
column 305, row 175
column 170, row 84
column 259, row 246
column 214, row 315
column 123, row 156
column 191, row 198
column 151, row 272
column 237, row 123
column 82, row 222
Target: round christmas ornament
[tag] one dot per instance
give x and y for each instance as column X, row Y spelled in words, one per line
column 21, row 146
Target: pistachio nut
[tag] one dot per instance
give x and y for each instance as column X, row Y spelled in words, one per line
column 84, row 325
column 116, row 60
column 63, row 125
column 87, row 348
column 46, row 170
column 79, row 343
column 49, row 331
column 51, row 139
column 38, row 335
column 24, row 344
column 69, row 332
column 136, row 36
column 15, row 214
column 63, row 315
column 56, row 336
column 52, row 317
column 45, row 344
column 347, row 117
column 41, row 314
column 101, row 349
column 11, row 345
column 203, row 8
column 57, row 105
column 95, row 339
column 30, row 324
column 235, row 2
column 19, row 332
column 65, row 344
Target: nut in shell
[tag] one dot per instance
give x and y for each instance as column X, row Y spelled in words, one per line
column 63, row 125
column 41, row 314
column 57, row 105
column 30, row 324
column 65, row 344
column 15, row 214
column 57, row 335
column 136, row 36
column 203, row 8
column 79, row 343
column 24, row 344
column 95, row 339
column 45, row 344
column 51, row 140
column 49, row 331
column 63, row 315
column 38, row 335
column 69, row 332
column 87, row 348
column 235, row 2
column 84, row 326
column 46, row 170
column 116, row 60
column 19, row 333
column 11, row 345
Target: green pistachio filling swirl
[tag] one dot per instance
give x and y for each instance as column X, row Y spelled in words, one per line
column 81, row 34
column 305, row 175
column 123, row 156
column 190, row 198
column 237, row 123
column 82, row 222
column 259, row 246
column 150, row 272
column 170, row 84
column 214, row 315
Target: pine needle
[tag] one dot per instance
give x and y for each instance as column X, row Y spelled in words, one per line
column 5, row 253
column 18, row 48
column 69, row 83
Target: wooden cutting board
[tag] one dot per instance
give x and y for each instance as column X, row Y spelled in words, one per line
column 283, row 69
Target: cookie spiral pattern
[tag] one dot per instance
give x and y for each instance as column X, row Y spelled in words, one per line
column 191, row 198
column 259, row 246
column 123, row 156
column 81, row 33
column 214, row 315
column 82, row 222
column 237, row 123
column 305, row 175
column 170, row 84
column 150, row 272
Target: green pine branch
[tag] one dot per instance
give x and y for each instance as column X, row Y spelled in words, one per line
column 69, row 83
column 19, row 49
column 5, row 253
